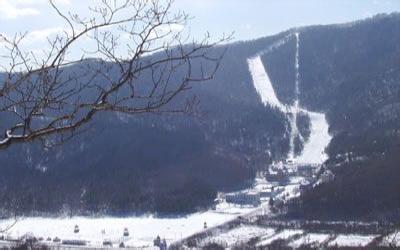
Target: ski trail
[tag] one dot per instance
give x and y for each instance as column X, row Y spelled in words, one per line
column 314, row 149
column 263, row 84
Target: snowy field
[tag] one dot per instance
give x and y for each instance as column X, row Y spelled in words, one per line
column 284, row 235
column 143, row 230
column 239, row 235
column 296, row 239
column 352, row 240
column 310, row 240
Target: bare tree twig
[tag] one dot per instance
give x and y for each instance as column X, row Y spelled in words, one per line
column 144, row 64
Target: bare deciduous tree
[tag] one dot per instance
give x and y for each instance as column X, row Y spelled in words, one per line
column 52, row 94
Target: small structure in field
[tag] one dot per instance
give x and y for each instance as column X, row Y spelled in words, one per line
column 157, row 241
column 243, row 198
column 126, row 232
column 107, row 243
column 74, row 242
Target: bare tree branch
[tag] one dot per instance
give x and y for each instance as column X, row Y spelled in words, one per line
column 145, row 62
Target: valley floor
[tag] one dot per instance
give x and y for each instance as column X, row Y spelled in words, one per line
column 227, row 225
column 95, row 231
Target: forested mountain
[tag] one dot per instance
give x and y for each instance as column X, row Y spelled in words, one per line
column 177, row 163
column 153, row 163
column 352, row 72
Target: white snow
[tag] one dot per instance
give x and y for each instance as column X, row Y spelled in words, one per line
column 143, row 230
column 262, row 83
column 284, row 235
column 392, row 240
column 314, row 148
column 298, row 180
column 239, row 235
column 310, row 239
column 352, row 240
column 290, row 192
column 233, row 209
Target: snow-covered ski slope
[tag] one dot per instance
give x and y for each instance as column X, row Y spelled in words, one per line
column 263, row 85
column 314, row 149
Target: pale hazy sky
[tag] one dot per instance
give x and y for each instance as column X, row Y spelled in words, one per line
column 247, row 18
column 255, row 18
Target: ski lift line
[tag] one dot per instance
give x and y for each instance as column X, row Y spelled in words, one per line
column 294, row 132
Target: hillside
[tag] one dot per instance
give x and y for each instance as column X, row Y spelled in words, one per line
column 177, row 164
column 165, row 164
column 352, row 72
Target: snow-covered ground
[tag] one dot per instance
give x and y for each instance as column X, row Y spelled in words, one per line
column 352, row 240
column 227, row 208
column 238, row 235
column 263, row 85
column 290, row 191
column 313, row 152
column 309, row 240
column 283, row 235
column 314, row 148
column 143, row 230
column 296, row 239
column 392, row 240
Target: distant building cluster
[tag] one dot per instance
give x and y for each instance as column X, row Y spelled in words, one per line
column 280, row 182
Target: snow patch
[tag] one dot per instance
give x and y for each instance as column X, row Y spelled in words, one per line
column 284, row 235
column 352, row 240
column 239, row 235
column 310, row 239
